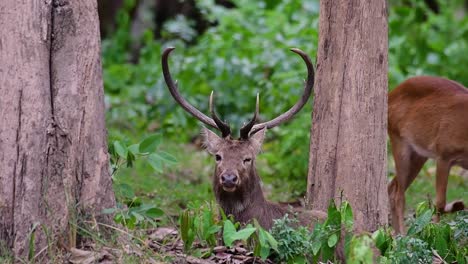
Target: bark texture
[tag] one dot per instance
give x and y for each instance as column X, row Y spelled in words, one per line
column 348, row 153
column 53, row 150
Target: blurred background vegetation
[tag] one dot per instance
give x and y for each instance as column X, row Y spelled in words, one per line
column 238, row 48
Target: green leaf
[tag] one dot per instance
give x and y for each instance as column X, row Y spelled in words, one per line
column 420, row 222
column 316, row 245
column 334, row 216
column 154, row 212
column 347, row 215
column 135, row 149
column 271, row 240
column 150, row 143
column 332, row 240
column 138, row 216
column 382, row 240
column 422, row 207
column 186, row 229
column 130, row 159
column 155, row 163
column 120, row 149
column 298, row 260
column 167, row 157
column 230, row 234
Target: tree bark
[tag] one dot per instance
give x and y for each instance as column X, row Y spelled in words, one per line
column 53, row 158
column 348, row 153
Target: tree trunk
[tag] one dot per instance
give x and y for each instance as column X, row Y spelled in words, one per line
column 53, row 158
column 348, row 153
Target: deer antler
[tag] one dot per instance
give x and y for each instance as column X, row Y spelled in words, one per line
column 298, row 106
column 223, row 127
column 214, row 122
column 244, row 131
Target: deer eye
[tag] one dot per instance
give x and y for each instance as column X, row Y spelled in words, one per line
column 218, row 157
column 247, row 160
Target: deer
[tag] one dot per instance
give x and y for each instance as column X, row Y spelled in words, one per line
column 236, row 184
column 427, row 118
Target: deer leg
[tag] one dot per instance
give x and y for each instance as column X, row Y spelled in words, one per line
column 408, row 164
column 442, row 173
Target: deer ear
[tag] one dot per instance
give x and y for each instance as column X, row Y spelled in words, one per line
column 211, row 141
column 257, row 139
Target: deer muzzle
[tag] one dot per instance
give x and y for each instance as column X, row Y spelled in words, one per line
column 229, row 181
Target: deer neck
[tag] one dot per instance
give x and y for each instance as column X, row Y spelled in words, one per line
column 246, row 198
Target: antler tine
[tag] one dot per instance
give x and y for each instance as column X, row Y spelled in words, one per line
column 223, row 127
column 245, row 130
column 175, row 92
column 299, row 104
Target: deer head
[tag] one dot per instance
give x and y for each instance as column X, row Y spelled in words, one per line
column 235, row 182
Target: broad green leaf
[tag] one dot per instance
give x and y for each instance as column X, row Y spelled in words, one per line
column 332, row 240
column 298, row 260
column 347, row 215
column 130, row 159
column 154, row 212
column 316, row 245
column 213, row 229
column 150, row 143
column 167, row 157
column 120, row 149
column 420, row 222
column 382, row 240
column 230, row 234
column 138, row 216
column 264, row 252
column 421, row 208
column 135, row 149
column 155, row 162
column 334, row 216
column 271, row 240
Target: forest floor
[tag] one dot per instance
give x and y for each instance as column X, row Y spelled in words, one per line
column 188, row 185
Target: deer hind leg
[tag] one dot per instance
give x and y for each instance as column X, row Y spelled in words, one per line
column 407, row 164
column 442, row 173
column 457, row 205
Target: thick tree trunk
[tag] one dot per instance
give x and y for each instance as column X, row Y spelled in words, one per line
column 53, row 151
column 348, row 140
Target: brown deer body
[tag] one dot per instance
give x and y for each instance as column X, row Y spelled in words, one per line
column 427, row 118
column 236, row 183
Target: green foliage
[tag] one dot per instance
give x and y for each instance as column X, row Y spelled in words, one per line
column 187, row 229
column 207, row 225
column 123, row 154
column 409, row 250
column 293, row 243
column 264, row 242
column 230, row 234
column 360, row 250
column 131, row 211
column 288, row 242
column 201, row 223
column 424, row 42
column 297, row 244
column 424, row 238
